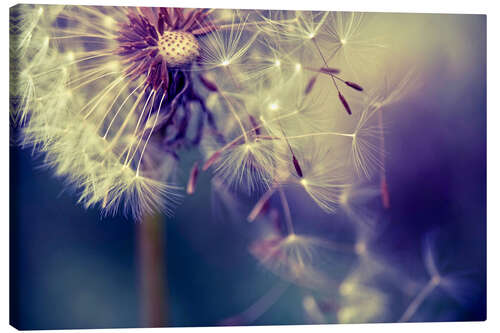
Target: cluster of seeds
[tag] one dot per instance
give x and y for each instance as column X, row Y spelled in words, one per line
column 158, row 42
column 178, row 47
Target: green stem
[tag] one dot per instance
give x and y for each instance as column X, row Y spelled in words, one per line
column 152, row 271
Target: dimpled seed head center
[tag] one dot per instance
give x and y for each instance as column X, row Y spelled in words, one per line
column 178, row 47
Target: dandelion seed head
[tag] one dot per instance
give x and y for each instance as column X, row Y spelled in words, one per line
column 178, row 47
column 156, row 40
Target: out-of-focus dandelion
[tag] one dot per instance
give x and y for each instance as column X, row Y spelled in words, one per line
column 455, row 284
column 296, row 258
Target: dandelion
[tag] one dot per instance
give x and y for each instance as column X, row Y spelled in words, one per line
column 131, row 86
column 139, row 81
column 281, row 108
column 127, row 74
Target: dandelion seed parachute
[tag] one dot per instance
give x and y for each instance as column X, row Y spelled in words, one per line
column 247, row 166
column 355, row 43
column 324, row 178
column 296, row 258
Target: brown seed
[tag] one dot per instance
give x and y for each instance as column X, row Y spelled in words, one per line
column 310, row 85
column 297, row 167
column 354, row 85
column 329, row 70
column 344, row 102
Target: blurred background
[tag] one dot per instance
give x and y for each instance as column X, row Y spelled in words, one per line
column 73, row 268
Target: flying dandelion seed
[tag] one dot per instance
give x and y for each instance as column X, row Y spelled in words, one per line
column 296, row 258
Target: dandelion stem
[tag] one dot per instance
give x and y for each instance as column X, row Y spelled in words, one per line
column 152, row 272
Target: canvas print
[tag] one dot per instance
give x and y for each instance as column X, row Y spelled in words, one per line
column 215, row 167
